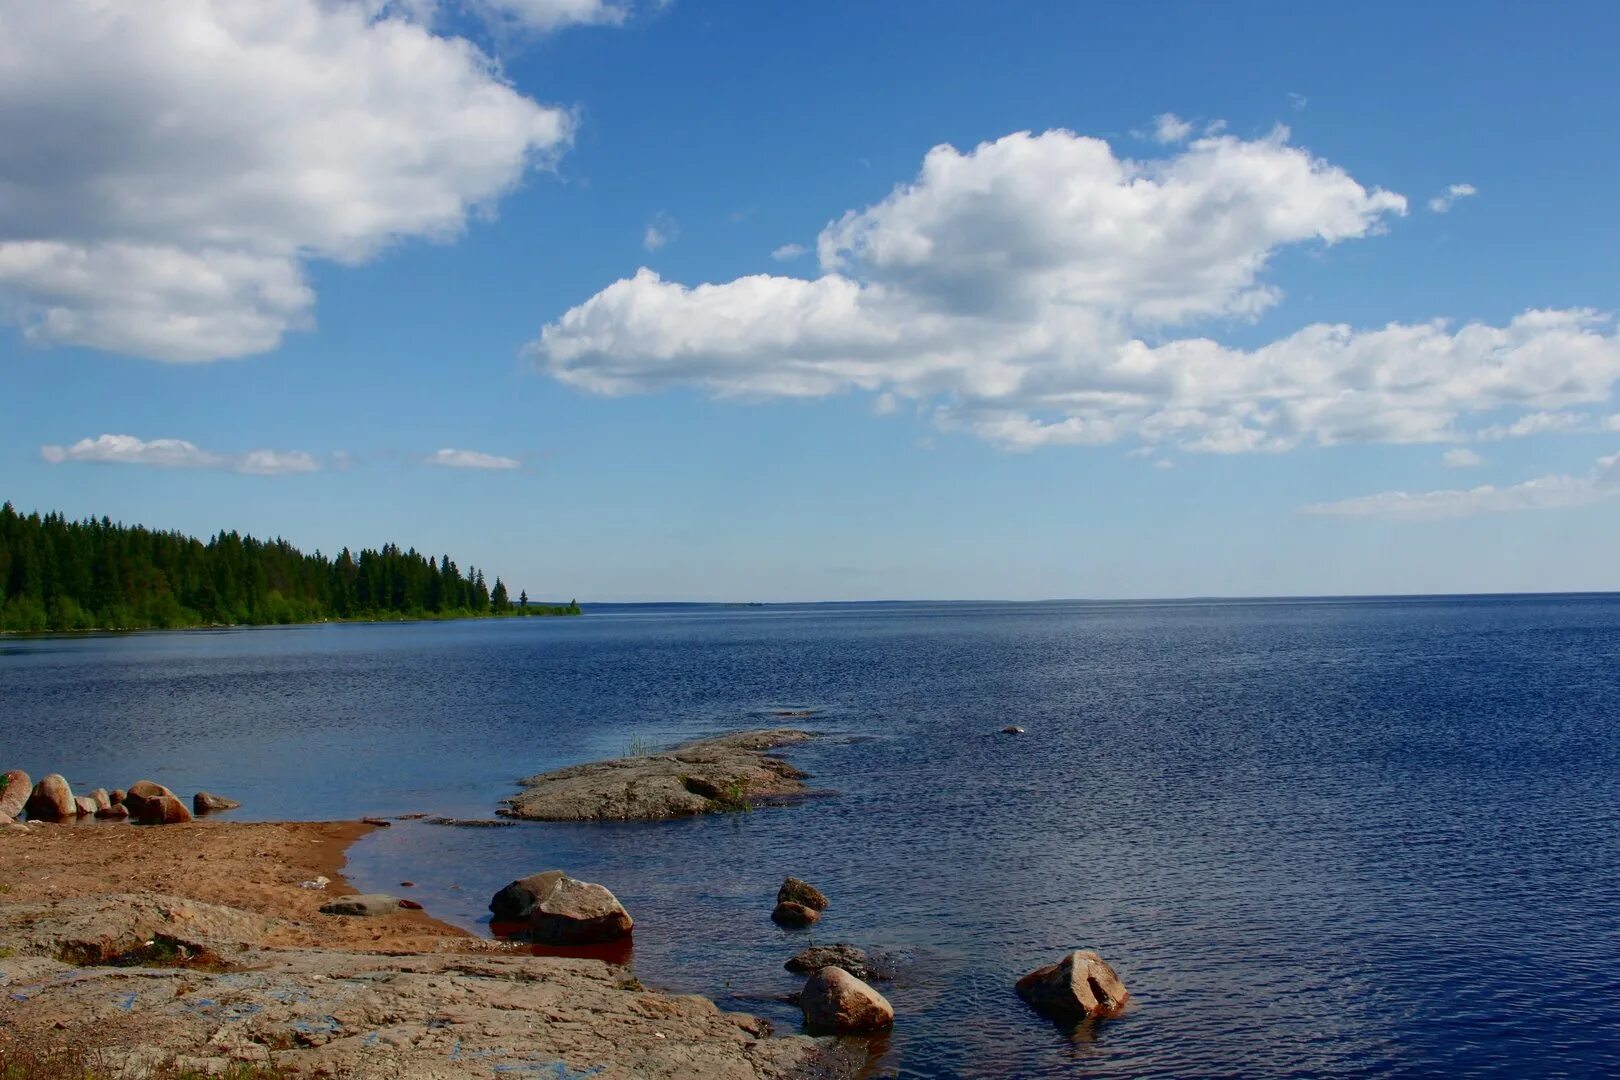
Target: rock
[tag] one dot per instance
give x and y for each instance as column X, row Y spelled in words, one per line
column 52, row 800
column 367, row 905
column 140, row 792
column 410, row 905
column 207, row 803
column 15, row 787
column 837, row 1003
column 794, row 915
column 1012, row 729
column 562, row 911
column 84, row 805
column 1080, row 986
column 379, row 822
column 708, row 776
column 115, row 812
column 471, row 823
column 796, row 891
column 816, row 957
column 117, row 796
column 101, row 798
column 162, row 810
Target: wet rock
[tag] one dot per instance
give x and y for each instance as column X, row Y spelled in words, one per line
column 368, row 904
column 162, row 810
column 837, row 1003
column 15, row 787
column 562, row 911
column 140, row 792
column 853, row 960
column 708, row 776
column 794, row 915
column 84, row 805
column 115, row 812
column 379, row 822
column 205, row 802
column 470, row 823
column 1080, row 986
column 52, row 800
column 1012, row 729
column 797, row 891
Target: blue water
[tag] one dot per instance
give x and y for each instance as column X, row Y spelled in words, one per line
column 1315, row 837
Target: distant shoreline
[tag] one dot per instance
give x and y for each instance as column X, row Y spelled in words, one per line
column 561, row 612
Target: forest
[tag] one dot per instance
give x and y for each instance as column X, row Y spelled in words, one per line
column 57, row 574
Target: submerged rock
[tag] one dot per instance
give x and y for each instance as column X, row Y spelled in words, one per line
column 207, row 803
column 15, row 787
column 794, row 915
column 562, row 911
column 1080, row 986
column 1012, row 729
column 708, row 776
column 835, row 1002
column 797, row 891
column 163, row 810
column 52, row 800
column 853, row 960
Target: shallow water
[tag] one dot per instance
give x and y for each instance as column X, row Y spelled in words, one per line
column 1315, row 837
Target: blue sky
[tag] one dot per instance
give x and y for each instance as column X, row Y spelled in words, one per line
column 1074, row 364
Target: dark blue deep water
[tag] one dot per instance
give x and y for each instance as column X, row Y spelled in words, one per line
column 1372, row 837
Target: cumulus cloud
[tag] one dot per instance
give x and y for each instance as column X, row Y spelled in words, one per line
column 178, row 454
column 1557, row 492
column 789, row 252
column 1460, row 457
column 1170, row 128
column 660, row 231
column 1033, row 291
column 1536, row 423
column 1443, row 202
column 167, row 171
column 471, row 459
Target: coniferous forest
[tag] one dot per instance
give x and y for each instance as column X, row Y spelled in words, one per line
column 57, row 574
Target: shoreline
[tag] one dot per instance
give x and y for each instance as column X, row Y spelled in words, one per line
column 91, row 630
column 196, row 943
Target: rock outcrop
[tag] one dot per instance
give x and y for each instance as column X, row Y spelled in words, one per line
column 1080, row 986
column 837, row 1003
column 794, row 915
column 163, row 810
column 207, row 803
column 712, row 775
column 15, row 787
column 558, row 910
column 797, row 891
column 52, row 800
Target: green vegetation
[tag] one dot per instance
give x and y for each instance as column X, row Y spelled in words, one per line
column 57, row 574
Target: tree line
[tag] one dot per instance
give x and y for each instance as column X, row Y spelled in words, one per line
column 57, row 574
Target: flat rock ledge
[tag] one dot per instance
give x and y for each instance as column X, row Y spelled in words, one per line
column 708, row 776
column 80, row 970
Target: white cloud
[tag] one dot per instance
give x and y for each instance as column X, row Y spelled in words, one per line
column 1030, row 291
column 168, row 170
column 1170, row 128
column 789, row 252
column 1536, row 423
column 1460, row 457
column 471, row 459
column 660, row 231
column 1443, row 202
column 1557, row 492
column 178, row 454
column 548, row 15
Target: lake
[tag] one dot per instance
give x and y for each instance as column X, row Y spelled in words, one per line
column 1315, row 837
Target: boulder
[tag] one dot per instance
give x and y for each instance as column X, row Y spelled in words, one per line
column 163, row 810
column 206, row 803
column 15, row 787
column 116, row 796
column 816, row 957
column 101, row 798
column 790, row 914
column 562, row 911
column 84, row 805
column 140, row 792
column 1012, row 729
column 837, row 1003
column 115, row 812
column 52, row 800
column 1080, row 986
column 796, row 891
column 368, row 904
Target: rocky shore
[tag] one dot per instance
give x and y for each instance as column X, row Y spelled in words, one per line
column 728, row 773
column 199, row 944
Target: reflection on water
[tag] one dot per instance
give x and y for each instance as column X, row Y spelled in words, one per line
column 1315, row 838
